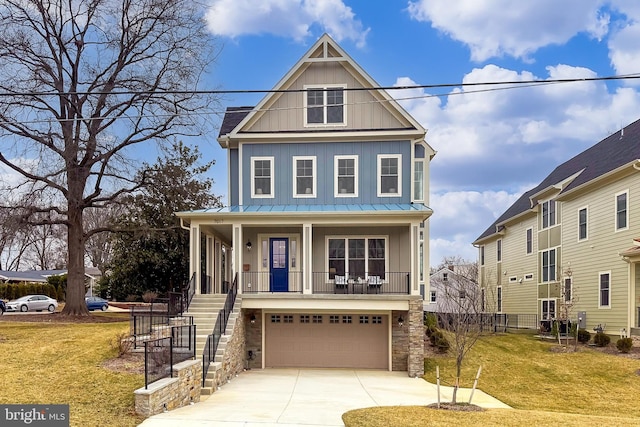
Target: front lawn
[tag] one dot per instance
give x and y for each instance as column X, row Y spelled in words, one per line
column 62, row 363
column 543, row 386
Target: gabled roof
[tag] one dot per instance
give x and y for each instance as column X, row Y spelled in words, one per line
column 617, row 150
column 30, row 276
column 324, row 49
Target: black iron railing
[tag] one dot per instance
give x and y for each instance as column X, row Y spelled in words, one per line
column 211, row 346
column 384, row 283
column 143, row 323
column 263, row 282
column 161, row 354
column 490, row 322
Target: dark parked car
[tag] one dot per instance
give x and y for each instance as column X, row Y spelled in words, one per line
column 32, row 303
column 97, row 303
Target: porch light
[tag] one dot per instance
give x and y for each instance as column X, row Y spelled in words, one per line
column 400, row 321
column 249, row 246
column 252, row 319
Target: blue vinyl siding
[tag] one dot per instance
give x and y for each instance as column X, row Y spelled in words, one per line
column 367, row 153
column 234, row 184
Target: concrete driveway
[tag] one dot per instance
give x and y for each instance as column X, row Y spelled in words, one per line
column 307, row 397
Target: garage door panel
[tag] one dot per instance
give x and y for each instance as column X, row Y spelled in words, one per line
column 325, row 344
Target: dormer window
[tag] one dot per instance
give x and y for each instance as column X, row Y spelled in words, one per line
column 324, row 105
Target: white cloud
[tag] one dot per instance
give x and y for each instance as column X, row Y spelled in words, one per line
column 285, row 18
column 498, row 27
column 624, row 50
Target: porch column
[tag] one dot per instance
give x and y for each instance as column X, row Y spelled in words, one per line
column 414, row 289
column 194, row 255
column 237, row 255
column 209, row 269
column 307, row 258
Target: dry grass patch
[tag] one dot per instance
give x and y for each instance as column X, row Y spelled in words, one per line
column 63, row 363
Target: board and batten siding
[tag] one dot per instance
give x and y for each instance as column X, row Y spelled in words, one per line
column 600, row 251
column 363, row 111
column 367, row 153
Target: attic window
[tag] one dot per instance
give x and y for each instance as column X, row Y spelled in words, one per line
column 324, row 105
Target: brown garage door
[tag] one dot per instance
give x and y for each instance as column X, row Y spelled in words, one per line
column 326, row 341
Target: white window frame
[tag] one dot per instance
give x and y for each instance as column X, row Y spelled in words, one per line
column 548, row 216
column 336, row 190
column 555, row 308
column 513, row 279
column 499, row 299
column 366, row 256
column 555, row 265
column 314, row 176
column 600, row 274
column 528, row 250
column 528, row 277
column 564, row 289
column 586, row 223
column 433, row 297
column 325, row 89
column 398, row 192
column 271, row 194
column 615, row 211
column 499, row 250
column 482, row 254
column 421, row 182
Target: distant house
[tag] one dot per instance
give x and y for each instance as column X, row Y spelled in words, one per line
column 92, row 275
column 326, row 234
column 573, row 240
column 451, row 283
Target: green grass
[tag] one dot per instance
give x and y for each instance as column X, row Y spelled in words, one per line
column 585, row 387
column 61, row 363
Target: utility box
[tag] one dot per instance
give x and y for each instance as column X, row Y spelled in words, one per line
column 582, row 320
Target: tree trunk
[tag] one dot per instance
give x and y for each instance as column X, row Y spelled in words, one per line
column 75, row 304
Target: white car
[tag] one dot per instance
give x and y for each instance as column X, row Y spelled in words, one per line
column 32, row 303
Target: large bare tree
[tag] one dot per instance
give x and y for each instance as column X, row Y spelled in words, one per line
column 81, row 83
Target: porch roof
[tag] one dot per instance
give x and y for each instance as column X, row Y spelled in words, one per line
column 385, row 208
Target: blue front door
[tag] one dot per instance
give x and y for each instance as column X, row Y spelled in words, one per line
column 279, row 254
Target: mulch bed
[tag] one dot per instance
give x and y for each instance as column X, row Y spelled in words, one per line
column 463, row 407
column 58, row 317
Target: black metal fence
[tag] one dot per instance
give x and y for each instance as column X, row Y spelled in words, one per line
column 211, row 346
column 490, row 322
column 143, row 324
column 262, row 282
column 161, row 354
column 387, row 283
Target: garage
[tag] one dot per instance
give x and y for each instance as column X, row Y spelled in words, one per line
column 326, row 340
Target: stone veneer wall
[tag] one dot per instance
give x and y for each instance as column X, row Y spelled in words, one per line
column 234, row 358
column 253, row 333
column 407, row 341
column 171, row 393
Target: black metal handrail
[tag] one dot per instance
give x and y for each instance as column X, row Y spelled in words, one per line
column 385, row 283
column 143, row 323
column 211, row 346
column 161, row 354
column 189, row 291
column 262, row 282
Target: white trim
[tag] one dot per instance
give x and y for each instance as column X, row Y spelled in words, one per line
column 346, row 238
column 600, row 274
column 482, row 254
column 528, row 277
column 499, row 250
column 586, row 209
column 271, row 194
column 413, row 180
column 525, row 242
column 615, row 211
column 336, row 160
column 325, row 105
column 499, row 299
column 398, row 192
column 555, row 214
column 555, row 308
column 513, row 279
column 555, row 265
column 313, row 189
column 433, row 297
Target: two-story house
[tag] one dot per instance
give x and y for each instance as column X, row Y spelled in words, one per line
column 570, row 244
column 326, row 233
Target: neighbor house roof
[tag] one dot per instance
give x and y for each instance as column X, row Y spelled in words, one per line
column 613, row 152
column 30, row 276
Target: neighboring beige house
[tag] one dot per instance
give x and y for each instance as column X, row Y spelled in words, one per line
column 572, row 241
column 326, row 234
column 449, row 284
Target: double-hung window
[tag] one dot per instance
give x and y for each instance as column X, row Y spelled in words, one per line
column 622, row 210
column 418, row 180
column 262, row 177
column 548, row 213
column 389, row 175
column 324, row 106
column 582, row 224
column 499, row 250
column 304, row 176
column 548, row 265
column 357, row 257
column 346, row 176
column 529, row 239
column 499, row 299
column 604, row 297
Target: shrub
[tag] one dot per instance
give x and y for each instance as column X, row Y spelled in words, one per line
column 624, row 345
column 601, row 339
column 584, row 336
column 439, row 341
column 149, row 296
column 121, row 343
column 430, row 321
column 131, row 298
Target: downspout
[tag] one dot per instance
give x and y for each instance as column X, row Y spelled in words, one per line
column 184, row 227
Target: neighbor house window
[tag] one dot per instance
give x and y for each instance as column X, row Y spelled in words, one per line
column 346, row 176
column 445, row 277
column 357, row 257
column 548, row 265
column 499, row 299
column 605, row 290
column 418, row 180
column 529, row 238
column 499, row 250
column 582, row 224
column 432, row 296
column 622, row 211
column 304, row 177
column 325, row 105
column 262, row 177
column 567, row 289
column 482, row 255
column 548, row 213
column 548, row 309
column 483, row 301
column 389, row 175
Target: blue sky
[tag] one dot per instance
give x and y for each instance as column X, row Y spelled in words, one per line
column 491, row 146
